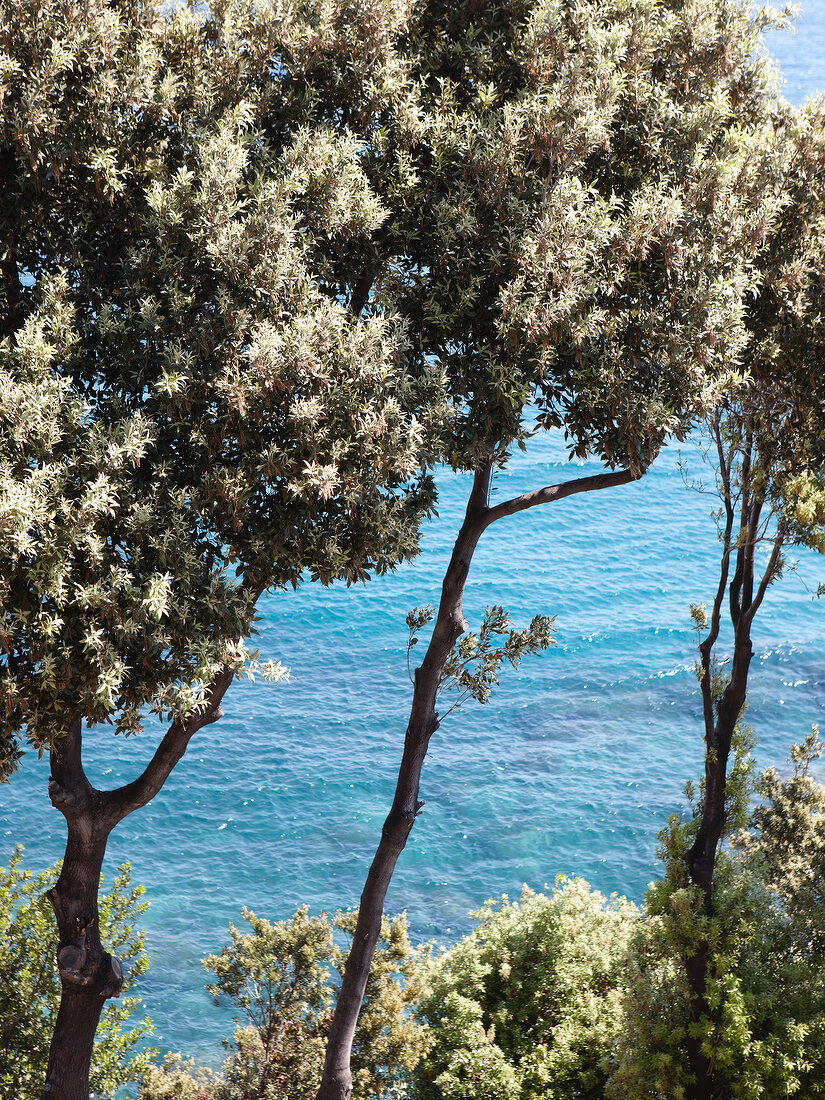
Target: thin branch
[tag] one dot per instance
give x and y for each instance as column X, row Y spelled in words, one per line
column 750, row 552
column 768, row 575
column 552, row 493
column 739, row 574
column 725, row 465
column 706, row 647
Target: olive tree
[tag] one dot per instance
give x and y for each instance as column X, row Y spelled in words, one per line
column 187, row 416
column 574, row 192
column 767, row 436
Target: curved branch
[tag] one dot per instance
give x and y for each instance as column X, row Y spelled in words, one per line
column 551, row 493
column 122, row 801
column 767, row 576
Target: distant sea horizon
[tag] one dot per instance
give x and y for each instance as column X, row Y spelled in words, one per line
column 572, row 768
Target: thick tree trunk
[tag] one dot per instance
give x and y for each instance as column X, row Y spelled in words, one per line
column 88, row 974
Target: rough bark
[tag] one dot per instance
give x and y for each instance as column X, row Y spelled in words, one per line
column 450, row 624
column 89, row 974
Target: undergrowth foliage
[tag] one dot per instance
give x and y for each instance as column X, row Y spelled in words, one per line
column 563, row 993
column 30, row 987
column 282, row 978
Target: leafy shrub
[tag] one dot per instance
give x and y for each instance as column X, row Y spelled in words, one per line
column 30, row 985
column 527, row 1005
column 282, row 977
column 765, row 1030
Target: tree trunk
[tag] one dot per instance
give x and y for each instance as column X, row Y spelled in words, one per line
column 721, row 717
column 88, row 974
column 450, row 624
column 336, row 1083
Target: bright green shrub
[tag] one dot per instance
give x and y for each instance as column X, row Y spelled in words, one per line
column 765, row 1030
column 30, row 986
column 282, row 978
column 527, row 1006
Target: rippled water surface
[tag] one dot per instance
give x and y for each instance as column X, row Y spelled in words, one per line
column 572, row 767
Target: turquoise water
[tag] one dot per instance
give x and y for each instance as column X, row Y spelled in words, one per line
column 572, row 767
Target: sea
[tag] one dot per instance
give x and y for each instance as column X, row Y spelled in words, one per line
column 571, row 768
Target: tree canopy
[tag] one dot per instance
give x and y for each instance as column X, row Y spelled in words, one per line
column 178, row 395
column 188, row 417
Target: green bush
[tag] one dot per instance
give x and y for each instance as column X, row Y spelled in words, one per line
column 30, row 986
column 527, row 1006
column 282, row 977
column 765, row 1030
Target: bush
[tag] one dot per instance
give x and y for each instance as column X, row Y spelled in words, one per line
column 528, row 1005
column 282, row 977
column 30, row 985
column 765, row 1031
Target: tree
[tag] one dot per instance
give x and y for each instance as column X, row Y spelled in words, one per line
column 281, row 977
column 30, row 989
column 767, row 437
column 764, row 981
column 573, row 192
column 179, row 396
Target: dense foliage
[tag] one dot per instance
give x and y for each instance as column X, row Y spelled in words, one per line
column 257, row 257
column 281, row 976
column 177, row 395
column 763, row 1031
column 529, row 1004
column 566, row 993
column 187, row 417
column 30, row 988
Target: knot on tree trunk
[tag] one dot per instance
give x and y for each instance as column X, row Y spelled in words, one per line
column 77, row 967
column 82, row 963
column 397, row 826
column 60, row 797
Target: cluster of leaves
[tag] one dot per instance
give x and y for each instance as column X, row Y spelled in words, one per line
column 572, row 203
column 528, row 1005
column 281, row 977
column 786, row 325
column 30, row 986
column 767, row 421
column 177, row 393
column 471, row 670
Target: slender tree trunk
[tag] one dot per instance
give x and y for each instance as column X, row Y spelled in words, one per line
column 720, row 717
column 450, row 624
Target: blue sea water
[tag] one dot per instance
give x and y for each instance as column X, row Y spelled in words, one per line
column 573, row 766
